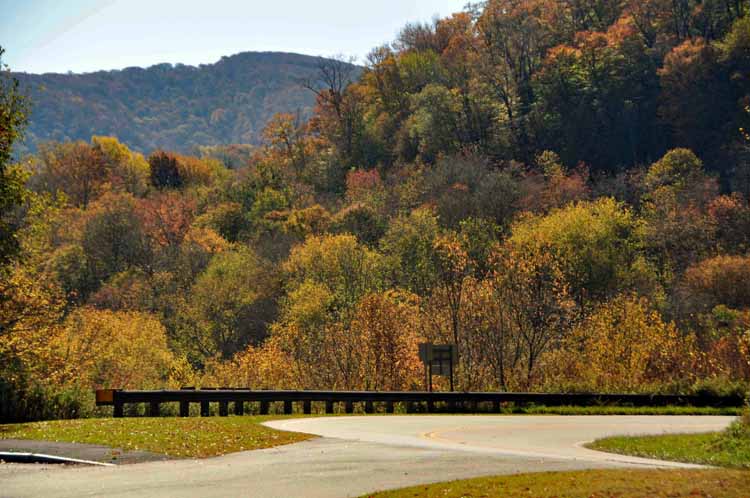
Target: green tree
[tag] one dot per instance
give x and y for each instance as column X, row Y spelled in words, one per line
column 409, row 248
column 114, row 239
column 436, row 122
column 14, row 109
column 513, row 39
column 468, row 185
column 596, row 100
column 342, row 265
column 595, row 243
column 164, row 170
column 229, row 305
column 679, row 170
column 677, row 230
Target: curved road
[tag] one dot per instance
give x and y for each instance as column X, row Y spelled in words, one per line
column 357, row 455
column 540, row 437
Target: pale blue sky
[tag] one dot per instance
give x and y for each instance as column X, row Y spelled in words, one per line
column 86, row 35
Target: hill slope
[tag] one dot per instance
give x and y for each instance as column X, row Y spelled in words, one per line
column 170, row 106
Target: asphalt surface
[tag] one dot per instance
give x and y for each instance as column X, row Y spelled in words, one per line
column 357, row 455
column 93, row 452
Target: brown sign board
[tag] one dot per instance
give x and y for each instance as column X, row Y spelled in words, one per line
column 429, row 353
column 438, row 358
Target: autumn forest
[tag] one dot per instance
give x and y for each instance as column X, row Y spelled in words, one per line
column 558, row 187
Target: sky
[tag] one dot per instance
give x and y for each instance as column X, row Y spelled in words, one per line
column 87, row 35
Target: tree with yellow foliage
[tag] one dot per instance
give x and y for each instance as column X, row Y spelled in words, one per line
column 624, row 346
column 106, row 349
column 388, row 327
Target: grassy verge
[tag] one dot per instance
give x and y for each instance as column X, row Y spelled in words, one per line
column 730, row 448
column 177, row 437
column 591, row 483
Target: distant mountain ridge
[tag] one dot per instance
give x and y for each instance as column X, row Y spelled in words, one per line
column 169, row 106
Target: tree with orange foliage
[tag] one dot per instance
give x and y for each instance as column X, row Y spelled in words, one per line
column 721, row 280
column 166, row 218
column 730, row 214
column 554, row 186
column 725, row 344
column 339, row 108
column 74, row 168
column 695, row 96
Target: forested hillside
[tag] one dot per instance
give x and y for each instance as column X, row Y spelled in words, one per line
column 559, row 187
column 172, row 106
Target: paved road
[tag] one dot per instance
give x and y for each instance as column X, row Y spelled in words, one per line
column 363, row 454
column 92, row 452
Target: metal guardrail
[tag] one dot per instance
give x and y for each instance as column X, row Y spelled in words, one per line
column 467, row 401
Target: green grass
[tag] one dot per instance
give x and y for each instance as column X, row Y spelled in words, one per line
column 194, row 437
column 730, row 448
column 591, row 483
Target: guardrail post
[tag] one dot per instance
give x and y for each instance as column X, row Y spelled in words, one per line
column 184, row 409
column 205, row 412
column 287, row 407
column 369, row 408
column 349, row 407
column 329, row 406
column 307, row 407
column 153, row 410
column 264, row 407
column 389, row 407
column 223, row 408
column 118, row 411
column 239, row 408
column 430, row 406
column 496, row 406
column 409, row 407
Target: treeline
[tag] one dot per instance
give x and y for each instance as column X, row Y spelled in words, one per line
column 448, row 195
column 173, row 106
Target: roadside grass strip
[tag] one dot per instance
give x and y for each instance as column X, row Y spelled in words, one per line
column 730, row 448
column 191, row 437
column 591, row 483
column 714, row 449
